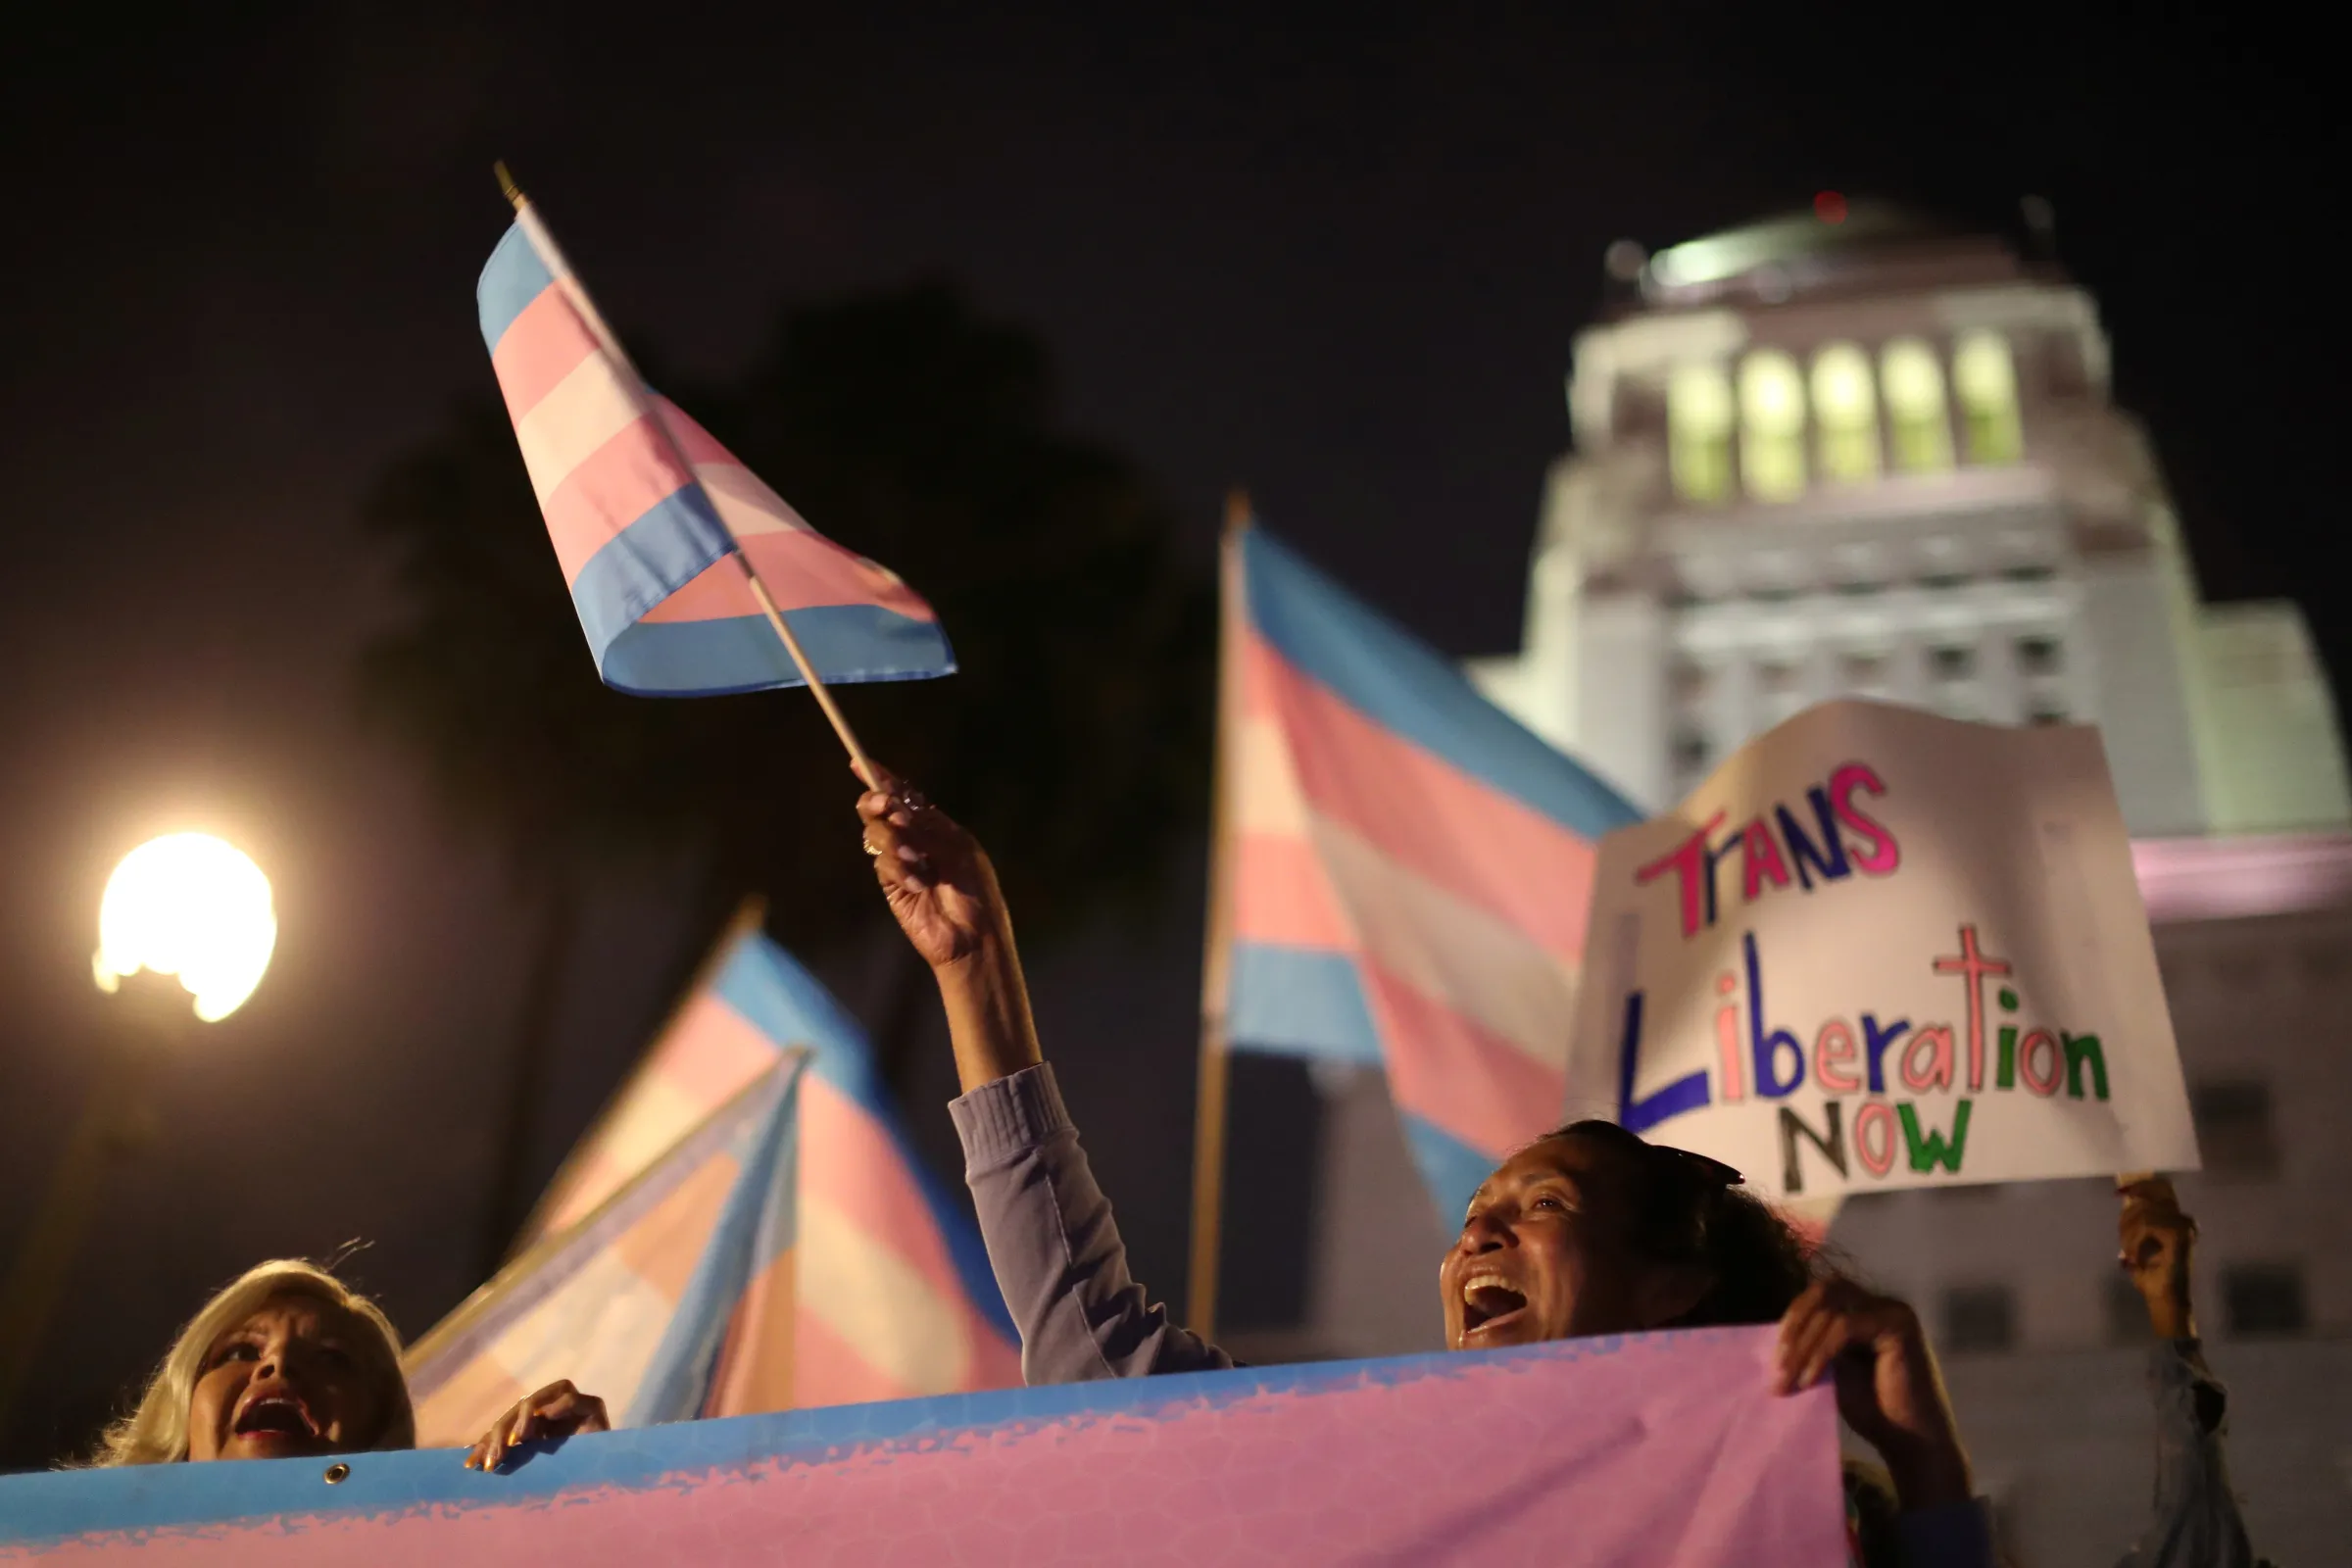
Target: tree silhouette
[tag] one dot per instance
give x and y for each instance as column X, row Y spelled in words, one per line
column 1073, row 739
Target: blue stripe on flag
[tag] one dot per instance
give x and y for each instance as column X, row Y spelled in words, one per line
column 761, row 1211
column 741, row 654
column 786, row 1004
column 1450, row 1169
column 1399, row 683
column 653, row 558
column 511, row 278
column 1300, row 1002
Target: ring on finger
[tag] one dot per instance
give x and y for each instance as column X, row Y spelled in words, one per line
column 867, row 844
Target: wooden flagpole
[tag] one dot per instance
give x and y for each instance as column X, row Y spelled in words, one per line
column 1216, row 974
column 543, row 243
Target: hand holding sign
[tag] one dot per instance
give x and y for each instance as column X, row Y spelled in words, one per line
column 1888, row 1389
column 2156, row 1240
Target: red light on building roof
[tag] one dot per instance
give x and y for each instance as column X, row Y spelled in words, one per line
column 1829, row 206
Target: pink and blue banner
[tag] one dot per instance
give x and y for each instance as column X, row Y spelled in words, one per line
column 1411, row 869
column 1651, row 1451
column 647, row 513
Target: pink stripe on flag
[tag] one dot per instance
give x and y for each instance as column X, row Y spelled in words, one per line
column 612, row 487
column 663, row 1247
column 713, row 1053
column 1281, row 893
column 700, row 445
column 545, row 344
column 1436, row 820
column 755, row 1364
column 709, row 1056
column 996, row 1361
column 850, row 1161
column 828, row 1369
column 1462, row 1079
column 804, row 571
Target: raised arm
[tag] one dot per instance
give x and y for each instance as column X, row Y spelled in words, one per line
column 2196, row 1523
column 1052, row 1241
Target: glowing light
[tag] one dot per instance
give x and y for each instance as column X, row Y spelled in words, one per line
column 1829, row 206
column 191, row 905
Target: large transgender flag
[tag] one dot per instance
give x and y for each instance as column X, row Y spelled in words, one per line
column 645, row 507
column 746, row 1230
column 1411, row 870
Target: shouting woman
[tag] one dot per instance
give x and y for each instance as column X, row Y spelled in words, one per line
column 1589, row 1230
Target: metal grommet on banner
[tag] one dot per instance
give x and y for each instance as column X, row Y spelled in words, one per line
column 336, row 1473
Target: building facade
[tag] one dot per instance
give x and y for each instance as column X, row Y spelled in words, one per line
column 1877, row 458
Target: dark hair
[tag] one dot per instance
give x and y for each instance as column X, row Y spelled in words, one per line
column 1688, row 1208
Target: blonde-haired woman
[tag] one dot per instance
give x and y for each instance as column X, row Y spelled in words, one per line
column 288, row 1362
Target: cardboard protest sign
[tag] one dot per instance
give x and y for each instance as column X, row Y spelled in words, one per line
column 1882, row 949
column 1659, row 1450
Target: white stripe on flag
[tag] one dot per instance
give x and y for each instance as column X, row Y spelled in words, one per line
column 1267, row 798
column 879, row 1303
column 745, row 503
column 582, row 412
column 1452, row 951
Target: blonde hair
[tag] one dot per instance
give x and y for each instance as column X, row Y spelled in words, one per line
column 156, row 1430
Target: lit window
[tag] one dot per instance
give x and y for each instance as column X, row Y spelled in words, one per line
column 1772, row 426
column 1984, row 379
column 1845, row 409
column 1979, row 1317
column 1698, row 431
column 2263, row 1298
column 1913, row 385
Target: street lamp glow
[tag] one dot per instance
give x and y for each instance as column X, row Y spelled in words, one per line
column 192, row 906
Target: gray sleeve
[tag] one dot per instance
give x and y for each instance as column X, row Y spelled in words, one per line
column 1054, row 1245
column 2196, row 1523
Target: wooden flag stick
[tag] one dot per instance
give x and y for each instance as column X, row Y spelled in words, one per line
column 544, row 244
column 1216, row 974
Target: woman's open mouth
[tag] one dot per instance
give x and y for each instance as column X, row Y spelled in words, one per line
column 277, row 1421
column 1489, row 1303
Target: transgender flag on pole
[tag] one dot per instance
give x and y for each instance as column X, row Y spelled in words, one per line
column 1410, row 867
column 643, row 507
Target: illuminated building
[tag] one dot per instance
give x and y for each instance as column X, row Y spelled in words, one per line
column 1877, row 458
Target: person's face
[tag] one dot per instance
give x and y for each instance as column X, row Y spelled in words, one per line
column 1547, row 1253
column 296, row 1378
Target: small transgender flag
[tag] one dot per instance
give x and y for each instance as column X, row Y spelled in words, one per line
column 643, row 507
column 747, row 1229
column 1410, row 870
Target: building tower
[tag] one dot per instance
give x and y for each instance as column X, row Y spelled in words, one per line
column 1857, row 452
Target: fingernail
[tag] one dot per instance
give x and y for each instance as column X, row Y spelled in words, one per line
column 901, row 820
column 915, row 883
column 911, row 855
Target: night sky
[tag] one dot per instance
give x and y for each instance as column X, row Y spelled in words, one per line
column 1339, row 257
